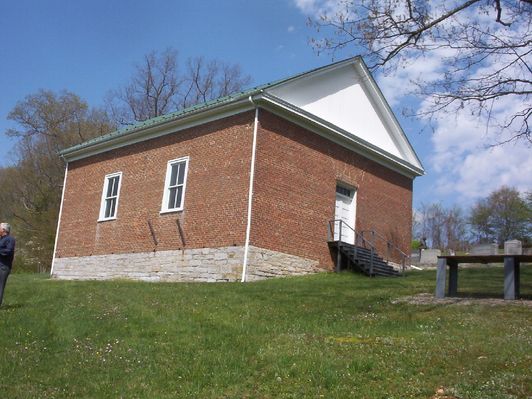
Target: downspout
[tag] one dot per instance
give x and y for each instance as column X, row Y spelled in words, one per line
column 250, row 194
column 59, row 219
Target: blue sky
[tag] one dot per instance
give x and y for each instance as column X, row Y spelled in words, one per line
column 90, row 47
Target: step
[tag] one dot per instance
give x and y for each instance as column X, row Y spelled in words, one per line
column 379, row 273
column 378, row 267
column 361, row 258
column 376, row 263
column 360, row 253
column 368, row 262
column 376, row 259
column 382, row 271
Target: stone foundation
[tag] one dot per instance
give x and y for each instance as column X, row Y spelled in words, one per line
column 263, row 263
column 201, row 264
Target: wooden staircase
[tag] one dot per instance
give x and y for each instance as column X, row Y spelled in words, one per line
column 362, row 256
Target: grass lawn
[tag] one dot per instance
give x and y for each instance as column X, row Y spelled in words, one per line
column 328, row 335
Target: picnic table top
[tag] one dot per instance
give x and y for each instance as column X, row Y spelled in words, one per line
column 485, row 258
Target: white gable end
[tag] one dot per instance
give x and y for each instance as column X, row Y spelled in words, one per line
column 342, row 97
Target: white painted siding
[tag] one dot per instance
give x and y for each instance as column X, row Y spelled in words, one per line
column 341, row 99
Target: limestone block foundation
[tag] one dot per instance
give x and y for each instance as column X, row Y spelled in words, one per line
column 200, row 264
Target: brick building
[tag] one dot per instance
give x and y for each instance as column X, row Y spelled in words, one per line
column 240, row 188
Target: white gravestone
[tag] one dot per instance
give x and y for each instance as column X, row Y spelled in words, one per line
column 513, row 247
column 429, row 256
column 484, row 249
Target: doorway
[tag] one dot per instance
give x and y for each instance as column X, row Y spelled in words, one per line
column 345, row 211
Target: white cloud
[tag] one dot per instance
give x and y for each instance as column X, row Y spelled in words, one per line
column 318, row 8
column 291, row 28
column 466, row 166
column 308, row 7
column 428, row 67
column 485, row 170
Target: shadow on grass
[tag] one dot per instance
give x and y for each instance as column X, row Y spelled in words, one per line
column 11, row 306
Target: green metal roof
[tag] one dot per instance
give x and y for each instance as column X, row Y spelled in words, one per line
column 196, row 108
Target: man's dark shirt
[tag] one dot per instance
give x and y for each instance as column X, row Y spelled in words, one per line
column 7, row 251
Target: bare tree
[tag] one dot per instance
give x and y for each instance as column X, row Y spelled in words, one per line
column 432, row 224
column 157, row 87
column 31, row 190
column 208, row 80
column 455, row 228
column 151, row 91
column 443, row 228
column 483, row 52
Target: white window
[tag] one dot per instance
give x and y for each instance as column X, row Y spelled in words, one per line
column 110, row 195
column 174, row 185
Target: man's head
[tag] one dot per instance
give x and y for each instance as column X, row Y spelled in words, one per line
column 5, row 229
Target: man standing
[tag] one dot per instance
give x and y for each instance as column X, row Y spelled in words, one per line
column 7, row 253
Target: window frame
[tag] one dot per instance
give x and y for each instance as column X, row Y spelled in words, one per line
column 104, row 198
column 343, row 188
column 166, row 189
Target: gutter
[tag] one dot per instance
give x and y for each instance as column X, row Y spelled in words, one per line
column 59, row 219
column 250, row 194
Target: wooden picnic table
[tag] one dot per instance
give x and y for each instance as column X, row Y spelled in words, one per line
column 511, row 272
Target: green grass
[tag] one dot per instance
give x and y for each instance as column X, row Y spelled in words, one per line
column 329, row 335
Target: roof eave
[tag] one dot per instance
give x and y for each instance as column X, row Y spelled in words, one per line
column 181, row 122
column 240, row 105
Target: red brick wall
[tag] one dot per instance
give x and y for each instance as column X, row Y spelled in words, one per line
column 216, row 195
column 295, row 182
column 295, row 191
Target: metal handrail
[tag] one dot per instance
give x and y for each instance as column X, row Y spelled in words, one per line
column 359, row 239
column 330, row 231
column 389, row 245
column 363, row 241
column 374, row 233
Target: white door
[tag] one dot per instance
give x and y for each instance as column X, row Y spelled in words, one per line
column 345, row 211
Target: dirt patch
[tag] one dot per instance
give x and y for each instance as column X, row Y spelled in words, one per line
column 441, row 394
column 430, row 299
